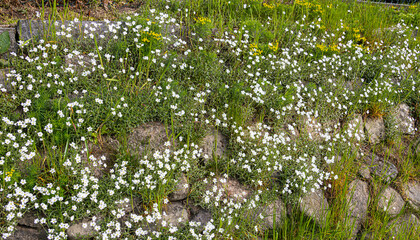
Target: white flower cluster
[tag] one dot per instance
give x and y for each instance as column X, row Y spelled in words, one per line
column 296, row 91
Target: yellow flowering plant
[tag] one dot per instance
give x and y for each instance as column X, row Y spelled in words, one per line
column 254, row 49
column 311, row 8
column 202, row 20
column 202, row 28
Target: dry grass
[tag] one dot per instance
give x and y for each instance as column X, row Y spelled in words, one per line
column 13, row 10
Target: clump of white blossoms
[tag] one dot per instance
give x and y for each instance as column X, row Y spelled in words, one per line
column 73, row 94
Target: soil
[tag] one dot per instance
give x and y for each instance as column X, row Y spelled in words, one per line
column 13, row 10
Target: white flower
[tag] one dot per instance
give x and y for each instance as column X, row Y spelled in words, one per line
column 102, row 205
column 60, row 113
column 48, row 128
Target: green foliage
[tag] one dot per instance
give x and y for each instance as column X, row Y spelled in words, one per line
column 4, row 42
column 210, row 64
column 410, row 17
column 371, row 71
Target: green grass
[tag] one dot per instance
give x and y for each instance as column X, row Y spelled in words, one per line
column 254, row 70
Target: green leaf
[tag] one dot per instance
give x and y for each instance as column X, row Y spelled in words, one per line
column 4, row 42
column 112, row 79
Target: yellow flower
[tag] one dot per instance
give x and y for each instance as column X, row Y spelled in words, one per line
column 322, row 47
column 257, row 52
column 359, row 37
column 254, row 49
column 202, row 20
column 152, row 35
column 10, row 174
column 334, row 47
column 318, row 8
column 274, row 46
column 270, row 6
column 303, row 3
column 253, row 46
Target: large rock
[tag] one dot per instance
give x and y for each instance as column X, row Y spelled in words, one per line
column 254, row 131
column 364, row 171
column 213, row 145
column 412, row 192
column 330, row 129
column 315, row 205
column 354, row 132
column 100, row 156
column 182, row 189
column 290, row 131
column 353, row 85
column 391, row 201
column 174, row 214
column 12, row 35
column 202, row 217
column 405, row 123
column 80, row 65
column 355, row 128
column 353, row 225
column 27, row 229
column 226, row 189
column 83, row 230
column 407, row 226
column 234, row 190
column 28, row 220
column 148, row 137
column 312, row 127
column 275, row 211
column 358, row 199
column 382, row 168
column 375, row 129
column 38, row 29
column 27, row 233
column 127, row 205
